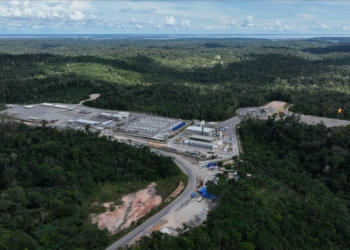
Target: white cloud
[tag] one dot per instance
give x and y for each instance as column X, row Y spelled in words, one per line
column 56, row 15
column 40, row 14
column 93, row 16
column 77, row 16
column 306, row 16
column 159, row 16
column 186, row 23
column 80, row 5
column 170, row 21
column 248, row 22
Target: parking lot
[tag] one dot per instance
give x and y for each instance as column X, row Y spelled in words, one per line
column 328, row 122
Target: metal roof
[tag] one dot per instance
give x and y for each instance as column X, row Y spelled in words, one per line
column 199, row 129
column 202, row 137
column 87, row 122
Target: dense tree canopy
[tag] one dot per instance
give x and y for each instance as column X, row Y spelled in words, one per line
column 185, row 78
column 49, row 180
column 298, row 198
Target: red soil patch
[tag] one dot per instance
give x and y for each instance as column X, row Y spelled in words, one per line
column 134, row 207
column 275, row 104
column 176, row 192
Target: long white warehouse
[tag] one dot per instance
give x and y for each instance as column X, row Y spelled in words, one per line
column 87, row 122
column 198, row 130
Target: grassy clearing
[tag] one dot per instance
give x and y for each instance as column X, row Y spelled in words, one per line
column 166, row 187
column 113, row 192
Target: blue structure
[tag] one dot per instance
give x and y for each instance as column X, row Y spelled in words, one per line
column 212, row 164
column 205, row 194
column 181, row 124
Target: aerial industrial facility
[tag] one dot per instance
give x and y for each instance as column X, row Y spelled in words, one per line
column 77, row 117
column 202, row 135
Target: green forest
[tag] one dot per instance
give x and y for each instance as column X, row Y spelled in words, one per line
column 51, row 181
column 297, row 198
column 182, row 78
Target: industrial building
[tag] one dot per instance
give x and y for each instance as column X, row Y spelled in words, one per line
column 198, row 130
column 150, row 124
column 60, row 106
column 115, row 117
column 47, row 104
column 29, row 106
column 124, row 114
column 202, row 138
column 87, row 122
column 201, row 144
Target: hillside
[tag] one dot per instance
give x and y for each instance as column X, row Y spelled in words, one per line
column 185, row 78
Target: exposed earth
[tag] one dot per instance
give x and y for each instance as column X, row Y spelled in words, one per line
column 275, row 104
column 92, row 97
column 134, row 206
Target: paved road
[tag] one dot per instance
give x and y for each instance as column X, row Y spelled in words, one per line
column 232, row 123
column 186, row 167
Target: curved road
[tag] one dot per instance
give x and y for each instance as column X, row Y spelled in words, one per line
column 185, row 167
column 233, row 123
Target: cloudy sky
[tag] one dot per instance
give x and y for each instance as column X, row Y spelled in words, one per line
column 174, row 17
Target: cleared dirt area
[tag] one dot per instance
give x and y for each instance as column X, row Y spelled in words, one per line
column 92, row 97
column 275, row 104
column 176, row 192
column 177, row 218
column 134, row 206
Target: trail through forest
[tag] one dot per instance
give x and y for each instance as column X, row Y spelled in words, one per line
column 92, row 97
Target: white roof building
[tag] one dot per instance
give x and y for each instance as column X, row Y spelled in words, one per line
column 198, row 130
column 60, row 106
column 29, row 106
column 124, row 114
column 87, row 122
column 47, row 104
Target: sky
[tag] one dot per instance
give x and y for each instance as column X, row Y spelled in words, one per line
column 175, row 17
